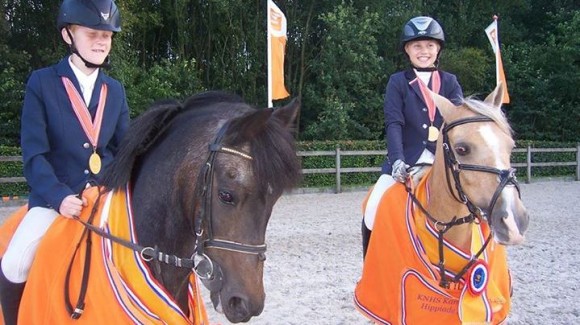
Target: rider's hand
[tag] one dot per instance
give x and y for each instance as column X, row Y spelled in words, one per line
column 72, row 206
column 400, row 173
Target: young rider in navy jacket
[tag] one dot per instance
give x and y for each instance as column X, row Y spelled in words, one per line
column 412, row 121
column 73, row 119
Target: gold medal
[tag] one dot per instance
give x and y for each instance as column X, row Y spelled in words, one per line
column 433, row 134
column 95, row 163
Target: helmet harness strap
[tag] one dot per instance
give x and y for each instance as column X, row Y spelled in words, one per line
column 105, row 65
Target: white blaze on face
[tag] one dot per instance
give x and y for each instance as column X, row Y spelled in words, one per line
column 509, row 193
column 493, row 143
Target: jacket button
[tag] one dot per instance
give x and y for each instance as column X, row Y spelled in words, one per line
column 86, row 171
column 86, row 145
column 424, row 142
column 424, row 109
column 424, row 126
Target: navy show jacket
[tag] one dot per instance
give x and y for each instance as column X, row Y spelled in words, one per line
column 407, row 116
column 55, row 149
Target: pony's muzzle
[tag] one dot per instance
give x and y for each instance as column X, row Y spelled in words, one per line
column 512, row 219
column 239, row 308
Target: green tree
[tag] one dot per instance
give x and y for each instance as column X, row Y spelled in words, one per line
column 338, row 56
column 176, row 79
column 13, row 70
column 472, row 67
column 350, row 76
column 545, row 72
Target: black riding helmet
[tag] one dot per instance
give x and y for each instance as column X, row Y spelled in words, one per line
column 95, row 14
column 420, row 28
column 423, row 28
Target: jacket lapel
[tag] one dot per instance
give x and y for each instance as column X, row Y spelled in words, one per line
column 96, row 93
column 413, row 81
column 63, row 69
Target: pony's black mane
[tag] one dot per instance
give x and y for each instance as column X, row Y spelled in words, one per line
column 275, row 163
column 212, row 97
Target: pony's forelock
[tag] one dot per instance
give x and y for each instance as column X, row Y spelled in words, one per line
column 272, row 144
column 496, row 114
column 276, row 158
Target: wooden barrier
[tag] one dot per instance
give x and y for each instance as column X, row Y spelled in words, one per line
column 11, row 179
column 338, row 169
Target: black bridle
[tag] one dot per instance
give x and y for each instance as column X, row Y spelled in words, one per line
column 506, row 176
column 207, row 270
column 476, row 214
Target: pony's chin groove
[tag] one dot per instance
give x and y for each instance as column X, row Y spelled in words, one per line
column 514, row 239
column 517, row 241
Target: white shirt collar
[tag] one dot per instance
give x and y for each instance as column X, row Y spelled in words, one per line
column 87, row 83
column 425, row 76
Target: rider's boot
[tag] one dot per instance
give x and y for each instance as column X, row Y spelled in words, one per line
column 366, row 237
column 10, row 295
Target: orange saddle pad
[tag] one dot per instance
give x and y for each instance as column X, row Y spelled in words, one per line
column 120, row 290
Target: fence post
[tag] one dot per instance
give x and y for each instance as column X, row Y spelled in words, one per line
column 578, row 161
column 337, row 162
column 529, row 165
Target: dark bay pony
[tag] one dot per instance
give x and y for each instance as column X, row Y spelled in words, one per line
column 436, row 253
column 203, row 177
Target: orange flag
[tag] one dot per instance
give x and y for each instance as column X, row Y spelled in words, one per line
column 493, row 36
column 276, row 49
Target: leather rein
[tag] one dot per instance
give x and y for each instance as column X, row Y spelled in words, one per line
column 476, row 214
column 200, row 263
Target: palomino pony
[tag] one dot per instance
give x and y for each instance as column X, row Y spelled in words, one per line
column 431, row 257
column 196, row 183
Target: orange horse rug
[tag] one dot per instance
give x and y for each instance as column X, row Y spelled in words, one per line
column 121, row 288
column 400, row 279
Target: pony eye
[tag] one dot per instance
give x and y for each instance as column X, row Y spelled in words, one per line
column 226, row 197
column 462, row 150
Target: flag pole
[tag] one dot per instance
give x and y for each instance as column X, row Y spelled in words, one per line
column 269, row 46
column 492, row 32
column 497, row 54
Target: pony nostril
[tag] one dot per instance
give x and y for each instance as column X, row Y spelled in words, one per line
column 239, row 308
column 523, row 222
column 261, row 257
column 235, row 301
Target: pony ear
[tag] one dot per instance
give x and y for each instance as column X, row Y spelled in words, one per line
column 496, row 97
column 249, row 125
column 287, row 114
column 446, row 107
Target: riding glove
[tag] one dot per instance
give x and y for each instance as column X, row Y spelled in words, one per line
column 400, row 173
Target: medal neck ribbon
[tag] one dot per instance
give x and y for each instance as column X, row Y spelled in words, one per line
column 92, row 129
column 435, row 86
